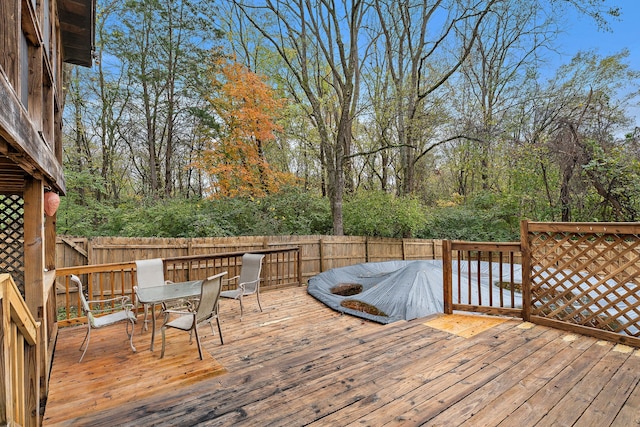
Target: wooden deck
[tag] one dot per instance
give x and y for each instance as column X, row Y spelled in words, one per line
column 301, row 363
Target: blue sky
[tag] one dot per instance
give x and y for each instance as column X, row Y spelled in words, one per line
column 582, row 33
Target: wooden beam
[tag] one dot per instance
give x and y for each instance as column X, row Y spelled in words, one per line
column 9, row 36
column 585, row 227
column 34, row 268
column 447, row 277
column 30, row 23
column 50, row 242
column 24, row 144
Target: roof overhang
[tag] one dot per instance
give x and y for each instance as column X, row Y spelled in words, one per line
column 77, row 19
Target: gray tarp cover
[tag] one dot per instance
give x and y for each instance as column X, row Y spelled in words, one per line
column 403, row 290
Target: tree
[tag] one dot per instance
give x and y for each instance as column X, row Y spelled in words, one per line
column 584, row 130
column 412, row 50
column 319, row 42
column 571, row 131
column 248, row 111
column 98, row 100
column 494, row 76
column 162, row 44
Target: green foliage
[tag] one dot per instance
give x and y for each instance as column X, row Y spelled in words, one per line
column 80, row 213
column 296, row 211
column 167, row 218
column 486, row 218
column 617, row 174
column 292, row 211
column 377, row 213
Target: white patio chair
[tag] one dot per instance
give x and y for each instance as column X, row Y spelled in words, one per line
column 149, row 272
column 248, row 280
column 105, row 312
column 206, row 311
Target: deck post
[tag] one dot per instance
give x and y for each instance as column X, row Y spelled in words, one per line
column 447, row 276
column 299, row 263
column 34, row 296
column 525, row 250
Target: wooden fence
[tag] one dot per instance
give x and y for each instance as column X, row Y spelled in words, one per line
column 317, row 253
column 585, row 274
column 579, row 277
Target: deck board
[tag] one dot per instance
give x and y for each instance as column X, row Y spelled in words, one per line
column 577, row 400
column 499, row 388
column 534, row 409
column 522, row 386
column 301, row 363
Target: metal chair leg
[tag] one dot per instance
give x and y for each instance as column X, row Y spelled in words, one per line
column 258, row 296
column 85, row 342
column 219, row 330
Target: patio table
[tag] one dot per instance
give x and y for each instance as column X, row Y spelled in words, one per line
column 158, row 294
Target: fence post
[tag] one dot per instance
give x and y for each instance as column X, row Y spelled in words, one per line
column 366, row 249
column 447, row 277
column 525, row 250
column 299, row 255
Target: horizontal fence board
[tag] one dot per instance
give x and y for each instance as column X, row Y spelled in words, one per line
column 318, row 252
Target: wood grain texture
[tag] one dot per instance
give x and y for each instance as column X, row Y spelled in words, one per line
column 301, row 363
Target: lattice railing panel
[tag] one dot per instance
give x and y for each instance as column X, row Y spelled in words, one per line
column 589, row 278
column 12, row 238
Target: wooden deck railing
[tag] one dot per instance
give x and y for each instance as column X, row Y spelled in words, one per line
column 281, row 268
column 578, row 277
column 20, row 378
column 584, row 278
column 482, row 277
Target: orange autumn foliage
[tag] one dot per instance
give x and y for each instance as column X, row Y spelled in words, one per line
column 247, row 110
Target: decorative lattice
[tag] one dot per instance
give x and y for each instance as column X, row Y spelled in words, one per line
column 12, row 238
column 589, row 278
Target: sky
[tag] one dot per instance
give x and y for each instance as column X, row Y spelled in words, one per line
column 582, row 34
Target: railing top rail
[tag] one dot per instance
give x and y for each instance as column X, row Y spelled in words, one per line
column 586, row 227
column 94, row 268
column 99, row 268
column 232, row 254
column 19, row 312
column 485, row 246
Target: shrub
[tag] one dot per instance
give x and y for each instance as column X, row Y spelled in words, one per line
column 291, row 211
column 485, row 218
column 377, row 213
